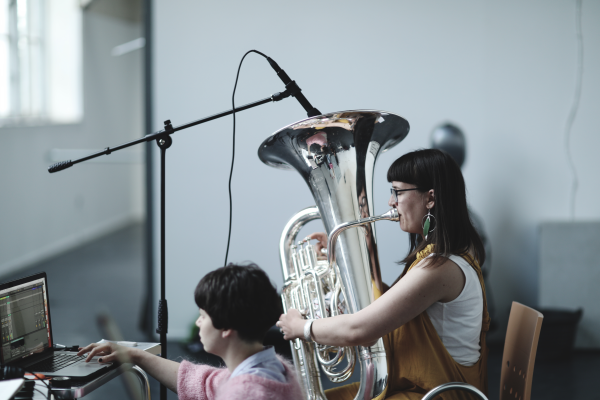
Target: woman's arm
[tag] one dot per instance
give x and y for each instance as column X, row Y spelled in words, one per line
column 414, row 293
column 163, row 370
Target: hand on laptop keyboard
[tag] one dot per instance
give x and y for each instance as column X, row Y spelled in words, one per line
column 108, row 352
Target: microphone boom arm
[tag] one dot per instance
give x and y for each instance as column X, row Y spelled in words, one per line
column 169, row 129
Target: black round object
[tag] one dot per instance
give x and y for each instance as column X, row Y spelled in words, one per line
column 61, row 382
column 451, row 139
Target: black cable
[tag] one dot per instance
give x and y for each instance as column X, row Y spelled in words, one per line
column 47, row 395
column 574, row 108
column 43, row 381
column 233, row 148
column 38, row 379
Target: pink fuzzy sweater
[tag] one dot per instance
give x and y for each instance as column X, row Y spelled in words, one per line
column 203, row 382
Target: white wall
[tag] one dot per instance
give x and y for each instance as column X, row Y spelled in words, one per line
column 43, row 214
column 576, row 286
column 504, row 72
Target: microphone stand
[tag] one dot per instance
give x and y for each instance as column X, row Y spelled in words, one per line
column 164, row 141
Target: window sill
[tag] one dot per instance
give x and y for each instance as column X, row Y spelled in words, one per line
column 30, row 122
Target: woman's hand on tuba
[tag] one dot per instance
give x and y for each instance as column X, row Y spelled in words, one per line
column 321, row 238
column 291, row 325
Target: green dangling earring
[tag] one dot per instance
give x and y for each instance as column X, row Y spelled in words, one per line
column 427, row 223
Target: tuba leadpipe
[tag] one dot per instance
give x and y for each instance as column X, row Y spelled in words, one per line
column 335, row 154
column 391, row 215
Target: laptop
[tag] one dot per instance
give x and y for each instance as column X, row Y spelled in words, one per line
column 27, row 332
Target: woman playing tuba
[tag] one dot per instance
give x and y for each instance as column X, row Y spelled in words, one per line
column 434, row 318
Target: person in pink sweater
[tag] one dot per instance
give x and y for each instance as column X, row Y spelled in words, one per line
column 237, row 304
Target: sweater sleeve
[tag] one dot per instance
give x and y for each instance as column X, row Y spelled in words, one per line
column 199, row 382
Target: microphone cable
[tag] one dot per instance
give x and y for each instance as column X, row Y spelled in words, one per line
column 233, row 148
column 574, row 109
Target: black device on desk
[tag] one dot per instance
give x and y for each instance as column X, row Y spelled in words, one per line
column 26, row 332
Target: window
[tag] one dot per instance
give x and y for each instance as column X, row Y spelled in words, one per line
column 40, row 62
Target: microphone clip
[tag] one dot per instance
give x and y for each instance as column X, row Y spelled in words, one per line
column 293, row 88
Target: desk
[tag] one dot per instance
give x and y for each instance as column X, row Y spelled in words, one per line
column 81, row 389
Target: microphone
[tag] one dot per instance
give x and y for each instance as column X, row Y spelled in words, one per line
column 59, row 166
column 293, row 88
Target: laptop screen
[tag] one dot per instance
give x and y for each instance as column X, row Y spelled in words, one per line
column 25, row 318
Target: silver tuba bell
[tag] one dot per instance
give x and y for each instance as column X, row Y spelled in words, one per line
column 335, row 154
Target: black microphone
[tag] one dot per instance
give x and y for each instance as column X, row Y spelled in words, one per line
column 59, row 166
column 293, row 88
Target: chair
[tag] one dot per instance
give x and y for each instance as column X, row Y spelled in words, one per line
column 520, row 347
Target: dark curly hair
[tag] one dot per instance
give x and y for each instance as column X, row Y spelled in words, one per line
column 240, row 297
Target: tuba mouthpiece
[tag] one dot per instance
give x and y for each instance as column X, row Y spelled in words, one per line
column 392, row 215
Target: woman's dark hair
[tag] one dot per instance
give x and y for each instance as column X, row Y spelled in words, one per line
column 240, row 297
column 454, row 232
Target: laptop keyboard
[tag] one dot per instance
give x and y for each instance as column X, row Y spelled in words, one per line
column 58, row 361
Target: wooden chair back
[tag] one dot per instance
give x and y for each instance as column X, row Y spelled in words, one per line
column 520, row 347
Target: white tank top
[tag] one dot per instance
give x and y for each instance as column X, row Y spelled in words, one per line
column 458, row 322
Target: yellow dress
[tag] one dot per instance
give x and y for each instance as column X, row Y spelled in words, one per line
column 418, row 361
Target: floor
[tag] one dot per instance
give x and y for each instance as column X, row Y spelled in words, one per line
column 106, row 277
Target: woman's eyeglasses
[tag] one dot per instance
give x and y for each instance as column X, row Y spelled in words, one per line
column 396, row 191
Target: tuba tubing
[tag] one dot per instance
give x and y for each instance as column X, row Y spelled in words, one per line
column 306, row 357
column 391, row 215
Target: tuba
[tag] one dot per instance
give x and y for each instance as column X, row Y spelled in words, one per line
column 335, row 154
